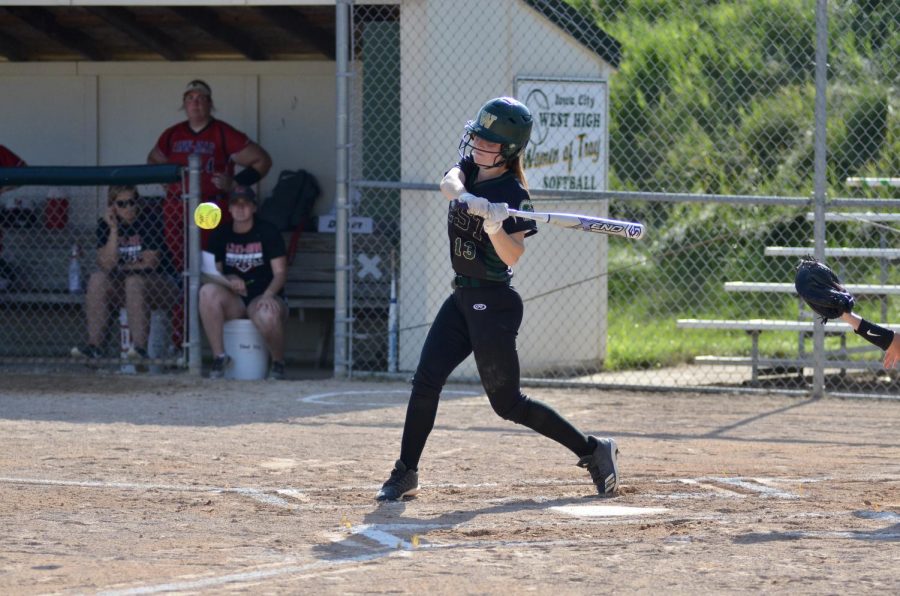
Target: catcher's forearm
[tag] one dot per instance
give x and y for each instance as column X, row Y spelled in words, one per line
column 875, row 334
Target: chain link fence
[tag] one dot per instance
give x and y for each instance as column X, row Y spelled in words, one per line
column 73, row 293
column 695, row 118
column 703, row 120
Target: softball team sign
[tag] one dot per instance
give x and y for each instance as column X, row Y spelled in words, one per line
column 569, row 139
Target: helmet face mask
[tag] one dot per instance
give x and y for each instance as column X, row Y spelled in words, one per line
column 502, row 120
column 468, row 147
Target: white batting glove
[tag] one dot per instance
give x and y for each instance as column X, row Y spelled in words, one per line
column 476, row 205
column 497, row 213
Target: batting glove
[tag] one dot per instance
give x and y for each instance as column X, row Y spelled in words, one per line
column 475, row 205
column 497, row 213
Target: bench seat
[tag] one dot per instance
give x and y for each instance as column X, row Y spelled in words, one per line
column 800, row 251
column 48, row 297
column 766, row 325
column 856, row 217
column 787, row 363
column 788, row 288
column 760, row 364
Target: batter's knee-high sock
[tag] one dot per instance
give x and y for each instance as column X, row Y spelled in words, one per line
column 540, row 417
column 420, row 415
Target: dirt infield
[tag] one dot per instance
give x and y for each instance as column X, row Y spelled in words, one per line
column 122, row 485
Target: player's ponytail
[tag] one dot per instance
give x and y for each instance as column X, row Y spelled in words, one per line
column 519, row 171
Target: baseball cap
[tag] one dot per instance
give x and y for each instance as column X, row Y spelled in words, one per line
column 243, row 192
column 198, row 86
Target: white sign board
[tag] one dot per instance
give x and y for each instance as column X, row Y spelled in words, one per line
column 358, row 225
column 569, row 139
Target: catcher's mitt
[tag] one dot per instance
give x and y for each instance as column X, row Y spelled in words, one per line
column 821, row 289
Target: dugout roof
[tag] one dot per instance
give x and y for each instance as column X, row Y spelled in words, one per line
column 196, row 31
column 181, row 32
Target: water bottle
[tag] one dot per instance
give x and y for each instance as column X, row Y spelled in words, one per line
column 75, row 270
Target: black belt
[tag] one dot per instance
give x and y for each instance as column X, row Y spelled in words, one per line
column 461, row 281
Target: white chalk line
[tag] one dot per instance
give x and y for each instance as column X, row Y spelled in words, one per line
column 393, row 546
column 270, row 496
column 760, row 486
column 261, row 495
column 322, row 567
column 320, row 398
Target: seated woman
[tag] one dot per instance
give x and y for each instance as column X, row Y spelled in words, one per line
column 250, row 253
column 134, row 269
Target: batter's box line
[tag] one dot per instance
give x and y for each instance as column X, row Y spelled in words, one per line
column 757, row 486
column 272, row 496
column 313, row 569
column 264, row 496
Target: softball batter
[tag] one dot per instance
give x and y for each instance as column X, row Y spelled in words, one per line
column 484, row 312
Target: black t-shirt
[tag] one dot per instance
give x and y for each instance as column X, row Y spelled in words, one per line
column 144, row 233
column 471, row 251
column 249, row 255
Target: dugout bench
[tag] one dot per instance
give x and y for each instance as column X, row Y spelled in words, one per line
column 40, row 320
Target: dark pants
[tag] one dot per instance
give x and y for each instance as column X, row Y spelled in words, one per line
column 484, row 321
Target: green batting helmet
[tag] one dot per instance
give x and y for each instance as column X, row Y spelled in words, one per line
column 503, row 120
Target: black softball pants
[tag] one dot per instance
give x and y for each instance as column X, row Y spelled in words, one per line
column 484, row 321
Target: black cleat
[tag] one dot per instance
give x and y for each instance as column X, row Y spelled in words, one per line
column 276, row 372
column 219, row 365
column 603, row 466
column 89, row 351
column 138, row 355
column 402, row 483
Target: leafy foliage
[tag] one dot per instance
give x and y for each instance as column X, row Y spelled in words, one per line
column 718, row 96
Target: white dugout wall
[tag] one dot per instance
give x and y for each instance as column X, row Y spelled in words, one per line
column 87, row 113
column 441, row 88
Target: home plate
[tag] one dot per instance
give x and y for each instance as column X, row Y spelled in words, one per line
column 607, row 510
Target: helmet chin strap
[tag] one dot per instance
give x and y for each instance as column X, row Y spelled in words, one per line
column 502, row 162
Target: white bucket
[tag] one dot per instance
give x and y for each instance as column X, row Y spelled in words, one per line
column 247, row 349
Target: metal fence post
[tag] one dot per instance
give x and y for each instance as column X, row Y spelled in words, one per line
column 342, row 72
column 193, row 199
column 819, row 178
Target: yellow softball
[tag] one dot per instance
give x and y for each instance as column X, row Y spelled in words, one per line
column 207, row 215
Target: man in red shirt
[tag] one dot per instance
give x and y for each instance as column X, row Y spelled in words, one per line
column 220, row 146
column 8, row 159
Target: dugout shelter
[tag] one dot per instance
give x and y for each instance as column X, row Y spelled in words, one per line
column 83, row 84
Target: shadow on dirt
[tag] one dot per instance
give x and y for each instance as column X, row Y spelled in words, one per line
column 386, row 529
column 888, row 534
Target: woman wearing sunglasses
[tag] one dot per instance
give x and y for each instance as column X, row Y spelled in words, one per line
column 134, row 270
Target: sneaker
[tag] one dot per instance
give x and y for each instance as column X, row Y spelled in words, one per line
column 402, row 483
column 136, row 354
column 603, row 466
column 219, row 366
column 276, row 372
column 89, row 351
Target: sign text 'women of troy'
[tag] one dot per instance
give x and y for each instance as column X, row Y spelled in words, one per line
column 569, row 137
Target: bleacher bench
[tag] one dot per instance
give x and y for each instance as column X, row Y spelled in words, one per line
column 758, row 364
column 754, row 327
column 788, row 288
column 856, row 217
column 838, row 253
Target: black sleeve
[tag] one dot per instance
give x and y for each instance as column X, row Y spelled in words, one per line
column 467, row 167
column 521, row 201
column 216, row 244
column 272, row 241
